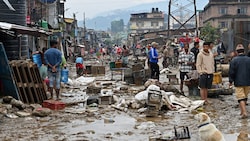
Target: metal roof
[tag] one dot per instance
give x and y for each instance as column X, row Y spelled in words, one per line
column 19, row 29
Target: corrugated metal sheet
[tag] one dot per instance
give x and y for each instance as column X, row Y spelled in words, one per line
column 7, row 84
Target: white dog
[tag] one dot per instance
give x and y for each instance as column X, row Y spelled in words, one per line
column 207, row 130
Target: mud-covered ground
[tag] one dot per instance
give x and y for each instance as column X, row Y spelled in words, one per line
column 104, row 123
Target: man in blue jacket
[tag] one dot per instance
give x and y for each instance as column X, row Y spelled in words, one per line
column 239, row 75
column 53, row 58
column 153, row 59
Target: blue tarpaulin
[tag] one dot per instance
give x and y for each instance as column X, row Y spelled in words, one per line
column 7, row 83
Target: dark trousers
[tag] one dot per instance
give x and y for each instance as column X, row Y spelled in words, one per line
column 155, row 72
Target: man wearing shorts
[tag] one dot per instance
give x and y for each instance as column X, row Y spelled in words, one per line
column 53, row 58
column 239, row 75
column 205, row 68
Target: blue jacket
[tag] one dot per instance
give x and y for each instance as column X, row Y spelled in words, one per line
column 153, row 55
column 239, row 71
column 53, row 56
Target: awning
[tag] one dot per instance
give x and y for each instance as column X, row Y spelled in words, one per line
column 19, row 29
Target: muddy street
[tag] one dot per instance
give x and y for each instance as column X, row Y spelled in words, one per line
column 82, row 121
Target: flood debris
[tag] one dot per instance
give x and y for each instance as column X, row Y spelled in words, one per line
column 41, row 112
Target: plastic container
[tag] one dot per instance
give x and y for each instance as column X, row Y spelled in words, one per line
column 112, row 65
column 64, row 75
column 217, row 78
column 53, row 104
column 37, row 60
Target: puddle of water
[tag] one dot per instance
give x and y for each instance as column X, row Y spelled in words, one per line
column 121, row 129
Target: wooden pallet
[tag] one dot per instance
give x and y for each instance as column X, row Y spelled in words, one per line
column 29, row 82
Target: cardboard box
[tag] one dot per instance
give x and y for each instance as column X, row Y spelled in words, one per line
column 53, row 104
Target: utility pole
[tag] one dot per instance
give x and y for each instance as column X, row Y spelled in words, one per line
column 185, row 8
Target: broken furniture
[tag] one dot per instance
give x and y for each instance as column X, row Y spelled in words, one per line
column 154, row 103
column 172, row 78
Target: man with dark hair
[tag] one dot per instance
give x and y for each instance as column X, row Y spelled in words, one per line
column 195, row 50
column 186, row 60
column 239, row 75
column 53, row 58
column 205, row 68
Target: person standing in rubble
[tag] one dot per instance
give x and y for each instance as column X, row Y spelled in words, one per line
column 125, row 54
column 195, row 50
column 53, row 58
column 205, row 68
column 186, row 60
column 166, row 56
column 79, row 66
column 239, row 75
column 153, row 59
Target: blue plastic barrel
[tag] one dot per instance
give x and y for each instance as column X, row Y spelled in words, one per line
column 64, row 75
column 37, row 60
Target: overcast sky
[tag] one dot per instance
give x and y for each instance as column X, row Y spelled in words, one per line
column 91, row 8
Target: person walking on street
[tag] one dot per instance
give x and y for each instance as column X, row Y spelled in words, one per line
column 153, row 59
column 53, row 58
column 205, row 68
column 239, row 75
column 186, row 61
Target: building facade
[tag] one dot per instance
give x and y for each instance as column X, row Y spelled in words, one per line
column 147, row 22
column 232, row 17
column 223, row 13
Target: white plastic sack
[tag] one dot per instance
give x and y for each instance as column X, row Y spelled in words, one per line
column 85, row 80
column 143, row 95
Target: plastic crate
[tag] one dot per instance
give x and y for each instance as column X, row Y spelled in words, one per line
column 53, row 104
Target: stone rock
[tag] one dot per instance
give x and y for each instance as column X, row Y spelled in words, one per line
column 11, row 116
column 7, row 99
column 18, row 104
column 35, row 106
column 41, row 112
column 22, row 114
column 3, row 110
column 7, row 106
column 152, row 82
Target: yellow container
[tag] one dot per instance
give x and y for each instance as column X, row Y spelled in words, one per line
column 217, row 78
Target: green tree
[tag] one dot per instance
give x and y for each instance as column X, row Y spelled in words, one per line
column 117, row 26
column 209, row 33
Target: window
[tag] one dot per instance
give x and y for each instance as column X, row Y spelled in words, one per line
column 140, row 24
column 154, row 23
column 242, row 10
column 223, row 10
column 223, row 25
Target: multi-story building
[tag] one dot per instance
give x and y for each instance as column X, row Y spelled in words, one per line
column 147, row 22
column 223, row 13
column 232, row 17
